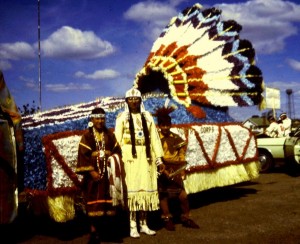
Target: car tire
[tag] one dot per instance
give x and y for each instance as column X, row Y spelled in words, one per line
column 292, row 167
column 266, row 162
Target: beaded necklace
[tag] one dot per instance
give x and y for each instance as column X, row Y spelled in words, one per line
column 100, row 144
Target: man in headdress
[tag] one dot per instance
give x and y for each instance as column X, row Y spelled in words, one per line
column 137, row 134
column 98, row 150
column 170, row 183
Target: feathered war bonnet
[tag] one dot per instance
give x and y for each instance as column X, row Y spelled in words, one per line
column 163, row 115
column 200, row 60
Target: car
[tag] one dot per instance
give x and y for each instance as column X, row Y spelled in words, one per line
column 279, row 151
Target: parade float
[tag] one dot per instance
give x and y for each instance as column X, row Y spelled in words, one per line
column 199, row 65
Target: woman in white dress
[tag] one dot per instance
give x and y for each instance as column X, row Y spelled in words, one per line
column 142, row 151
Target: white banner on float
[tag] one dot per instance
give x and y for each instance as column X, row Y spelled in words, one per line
column 272, row 98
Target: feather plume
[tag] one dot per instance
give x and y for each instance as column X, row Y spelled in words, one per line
column 200, row 60
column 163, row 111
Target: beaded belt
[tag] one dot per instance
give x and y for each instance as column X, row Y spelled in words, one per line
column 138, row 142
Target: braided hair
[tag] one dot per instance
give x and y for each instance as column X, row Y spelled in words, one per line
column 146, row 135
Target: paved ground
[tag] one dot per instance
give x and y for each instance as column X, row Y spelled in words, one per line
column 265, row 210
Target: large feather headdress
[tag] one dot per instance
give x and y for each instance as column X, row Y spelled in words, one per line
column 200, row 60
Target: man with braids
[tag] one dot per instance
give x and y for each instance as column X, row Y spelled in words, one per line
column 99, row 161
column 170, row 182
column 137, row 135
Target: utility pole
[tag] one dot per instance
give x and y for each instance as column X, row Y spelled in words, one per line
column 39, row 55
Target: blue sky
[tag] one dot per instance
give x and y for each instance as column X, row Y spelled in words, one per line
column 92, row 49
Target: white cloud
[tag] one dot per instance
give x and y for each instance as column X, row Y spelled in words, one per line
column 99, row 74
column 16, row 51
column 26, row 79
column 67, row 87
column 294, row 64
column 30, row 83
column 154, row 16
column 32, row 86
column 266, row 23
column 177, row 2
column 145, row 11
column 5, row 65
column 68, row 42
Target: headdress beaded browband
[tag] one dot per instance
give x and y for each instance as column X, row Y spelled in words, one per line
column 97, row 116
column 96, row 113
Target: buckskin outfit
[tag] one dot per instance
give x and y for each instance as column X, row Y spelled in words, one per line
column 141, row 154
column 99, row 161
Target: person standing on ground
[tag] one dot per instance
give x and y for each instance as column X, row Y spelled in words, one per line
column 99, row 162
column 137, row 134
column 287, row 124
column 174, row 159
